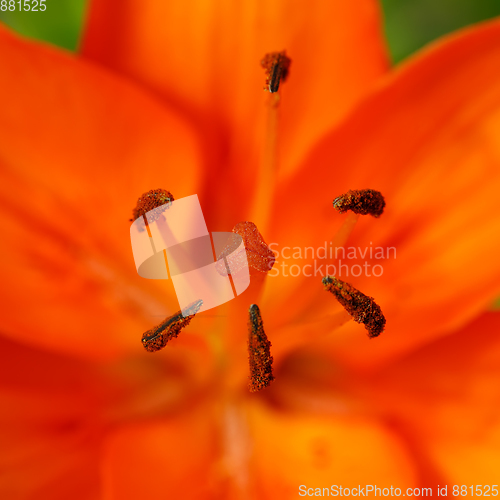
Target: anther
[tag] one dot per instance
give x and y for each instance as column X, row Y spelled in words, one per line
column 362, row 308
column 156, row 200
column 277, row 65
column 259, row 353
column 259, row 255
column 363, row 202
column 157, row 338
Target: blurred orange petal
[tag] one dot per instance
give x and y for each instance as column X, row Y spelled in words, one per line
column 446, row 397
column 291, row 449
column 204, row 57
column 50, row 429
column 57, row 411
column 170, row 458
column 428, row 140
column 79, row 146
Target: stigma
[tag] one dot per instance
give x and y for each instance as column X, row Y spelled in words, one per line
column 362, row 308
column 277, row 65
column 259, row 256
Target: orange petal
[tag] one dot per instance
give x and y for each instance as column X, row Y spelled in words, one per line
column 445, row 396
column 79, row 146
column 57, row 411
column 427, row 139
column 50, row 425
column 205, row 57
column 256, row 460
column 174, row 458
column 293, row 450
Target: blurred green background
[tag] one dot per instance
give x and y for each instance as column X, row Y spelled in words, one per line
column 409, row 24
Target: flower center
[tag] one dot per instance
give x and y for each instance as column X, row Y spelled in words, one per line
column 258, row 255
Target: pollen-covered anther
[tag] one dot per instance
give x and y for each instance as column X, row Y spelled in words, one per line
column 362, row 308
column 277, row 65
column 259, row 352
column 157, row 338
column 258, row 254
column 155, row 201
column 362, row 201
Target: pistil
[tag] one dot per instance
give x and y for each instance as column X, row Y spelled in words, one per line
column 256, row 253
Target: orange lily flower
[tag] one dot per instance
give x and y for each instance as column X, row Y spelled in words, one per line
column 171, row 96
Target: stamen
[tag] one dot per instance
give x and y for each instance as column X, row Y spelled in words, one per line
column 157, row 200
column 362, row 308
column 363, row 202
column 277, row 69
column 259, row 352
column 259, row 255
column 277, row 65
column 157, row 338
